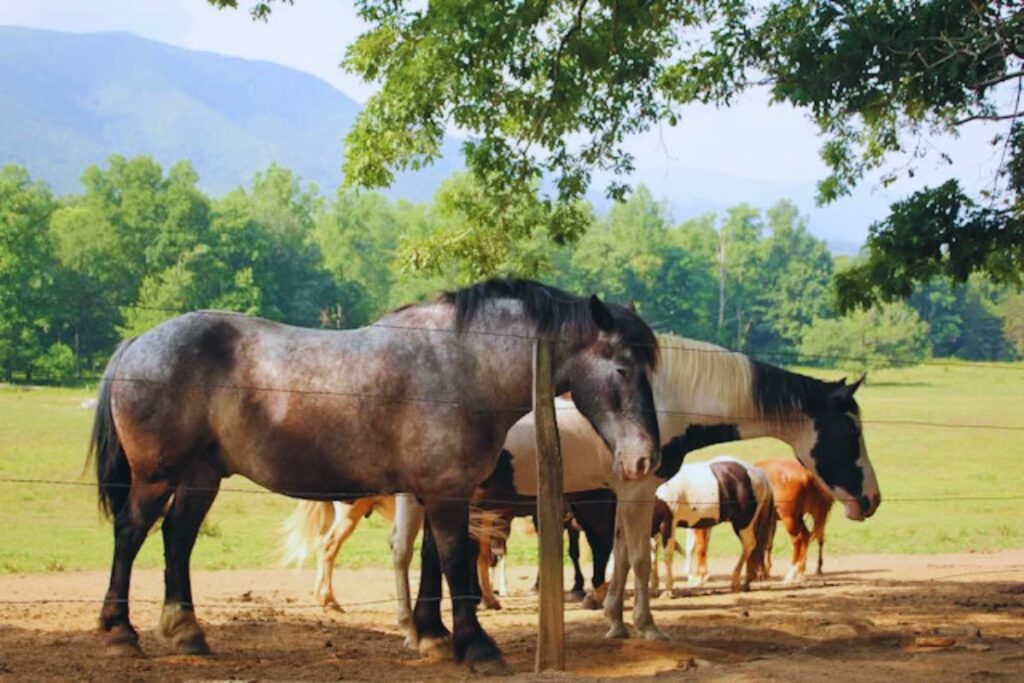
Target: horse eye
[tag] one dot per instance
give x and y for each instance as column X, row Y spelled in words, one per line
column 623, row 372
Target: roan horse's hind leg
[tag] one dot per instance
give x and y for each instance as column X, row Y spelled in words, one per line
column 144, row 504
column 192, row 500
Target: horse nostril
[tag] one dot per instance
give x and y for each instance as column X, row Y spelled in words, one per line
column 877, row 500
column 643, row 465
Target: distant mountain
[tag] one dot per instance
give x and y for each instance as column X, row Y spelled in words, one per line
column 69, row 100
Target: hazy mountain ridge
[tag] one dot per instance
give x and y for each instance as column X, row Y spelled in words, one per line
column 71, row 100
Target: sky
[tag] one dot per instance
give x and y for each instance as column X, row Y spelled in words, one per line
column 753, row 151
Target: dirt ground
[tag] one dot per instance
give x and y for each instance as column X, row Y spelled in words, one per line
column 869, row 619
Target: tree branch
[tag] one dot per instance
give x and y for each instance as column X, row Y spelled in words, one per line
column 989, row 117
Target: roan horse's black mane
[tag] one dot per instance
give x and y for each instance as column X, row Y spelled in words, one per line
column 554, row 311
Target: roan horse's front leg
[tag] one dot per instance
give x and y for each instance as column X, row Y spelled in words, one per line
column 638, row 514
column 448, row 523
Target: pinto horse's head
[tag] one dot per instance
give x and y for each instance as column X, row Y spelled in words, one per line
column 608, row 374
column 834, row 450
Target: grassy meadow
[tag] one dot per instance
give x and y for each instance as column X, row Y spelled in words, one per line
column 46, row 527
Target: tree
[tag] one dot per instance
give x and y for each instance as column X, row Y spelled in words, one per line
column 27, row 270
column 793, row 283
column 631, row 256
column 553, row 90
column 863, row 340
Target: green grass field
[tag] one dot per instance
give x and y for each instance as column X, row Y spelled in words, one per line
column 44, row 433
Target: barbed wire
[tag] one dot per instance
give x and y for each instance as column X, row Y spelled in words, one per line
column 328, row 497
column 780, row 355
column 720, row 418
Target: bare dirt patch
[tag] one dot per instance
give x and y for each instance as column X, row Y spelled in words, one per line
column 907, row 618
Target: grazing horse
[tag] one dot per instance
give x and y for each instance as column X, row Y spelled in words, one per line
column 418, row 402
column 798, row 494
column 703, row 495
column 704, row 395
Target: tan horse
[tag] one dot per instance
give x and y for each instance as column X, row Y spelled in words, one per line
column 798, row 493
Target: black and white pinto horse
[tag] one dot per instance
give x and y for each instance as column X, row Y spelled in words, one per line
column 705, row 494
column 419, row 402
column 704, row 395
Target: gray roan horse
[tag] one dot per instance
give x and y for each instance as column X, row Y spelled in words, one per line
column 418, row 402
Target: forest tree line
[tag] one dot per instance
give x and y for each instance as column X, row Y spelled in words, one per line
column 139, row 245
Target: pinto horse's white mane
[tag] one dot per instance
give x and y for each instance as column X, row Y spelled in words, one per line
column 703, row 378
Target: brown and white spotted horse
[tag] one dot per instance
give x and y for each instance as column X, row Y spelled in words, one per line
column 419, row 402
column 703, row 495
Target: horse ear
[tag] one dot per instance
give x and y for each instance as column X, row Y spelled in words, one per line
column 602, row 316
column 856, row 385
column 841, row 382
column 631, row 307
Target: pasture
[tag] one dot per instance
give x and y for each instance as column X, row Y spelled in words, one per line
column 923, row 568
column 51, row 527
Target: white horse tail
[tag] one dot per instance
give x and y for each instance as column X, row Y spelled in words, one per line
column 303, row 529
column 487, row 525
column 764, row 535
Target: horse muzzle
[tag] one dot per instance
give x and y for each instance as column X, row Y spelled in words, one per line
column 860, row 508
column 629, row 468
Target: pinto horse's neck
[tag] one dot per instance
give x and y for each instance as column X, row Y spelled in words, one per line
column 706, row 395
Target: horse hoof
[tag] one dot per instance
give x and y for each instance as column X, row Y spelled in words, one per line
column 481, row 655
column 491, row 667
column 178, row 628
column 435, row 648
column 333, row 608
column 576, row 596
column 617, row 631
column 652, row 632
column 492, row 604
column 410, row 643
column 590, row 601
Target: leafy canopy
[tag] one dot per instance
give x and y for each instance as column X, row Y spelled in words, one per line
column 550, row 90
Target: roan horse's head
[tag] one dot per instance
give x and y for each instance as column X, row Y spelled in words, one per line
column 834, row 450
column 608, row 374
column 604, row 356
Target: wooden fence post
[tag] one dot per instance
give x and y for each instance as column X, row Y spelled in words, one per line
column 550, row 512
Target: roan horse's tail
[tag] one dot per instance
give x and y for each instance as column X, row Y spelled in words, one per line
column 764, row 535
column 113, row 474
column 303, row 529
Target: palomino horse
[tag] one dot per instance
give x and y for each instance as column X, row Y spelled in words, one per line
column 418, row 402
column 326, row 526
column 798, row 494
column 704, row 395
column 705, row 494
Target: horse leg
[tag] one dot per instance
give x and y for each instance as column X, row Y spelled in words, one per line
column 192, row 500
column 613, row 600
column 408, row 520
column 577, row 593
column 483, row 571
column 131, row 524
column 670, row 550
column 346, row 518
column 819, row 535
column 502, row 575
column 748, row 539
column 655, row 581
column 701, row 541
column 799, row 536
column 598, row 523
column 432, row 637
column 449, row 521
column 636, row 530
column 689, row 563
